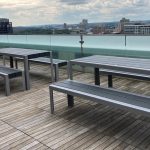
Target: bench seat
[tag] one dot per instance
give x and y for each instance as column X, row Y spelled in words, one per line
column 113, row 97
column 9, row 73
column 45, row 60
column 128, row 74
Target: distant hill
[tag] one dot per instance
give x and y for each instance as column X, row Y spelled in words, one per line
column 48, row 29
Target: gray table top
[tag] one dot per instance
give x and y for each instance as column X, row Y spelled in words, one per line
column 20, row 52
column 111, row 62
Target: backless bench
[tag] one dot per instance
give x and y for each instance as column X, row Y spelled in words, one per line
column 9, row 73
column 129, row 74
column 45, row 60
column 108, row 96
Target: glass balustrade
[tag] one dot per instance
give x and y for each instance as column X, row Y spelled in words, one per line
column 69, row 46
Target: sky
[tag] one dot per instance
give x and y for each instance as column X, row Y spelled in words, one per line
column 39, row 12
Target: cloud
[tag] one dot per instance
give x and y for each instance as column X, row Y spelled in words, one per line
column 141, row 2
column 75, row 2
column 29, row 12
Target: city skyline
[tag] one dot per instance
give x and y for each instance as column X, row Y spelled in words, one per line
column 35, row 12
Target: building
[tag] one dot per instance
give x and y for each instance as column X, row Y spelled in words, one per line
column 120, row 28
column 137, row 29
column 121, row 24
column 65, row 26
column 84, row 25
column 5, row 26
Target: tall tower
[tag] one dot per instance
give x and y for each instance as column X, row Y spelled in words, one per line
column 84, row 25
column 122, row 23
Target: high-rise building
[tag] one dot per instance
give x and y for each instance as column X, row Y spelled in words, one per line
column 122, row 23
column 84, row 25
column 5, row 26
column 65, row 26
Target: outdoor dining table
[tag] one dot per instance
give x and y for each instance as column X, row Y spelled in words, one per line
column 136, row 65
column 25, row 54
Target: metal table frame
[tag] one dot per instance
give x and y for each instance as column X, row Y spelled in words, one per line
column 26, row 54
column 136, row 65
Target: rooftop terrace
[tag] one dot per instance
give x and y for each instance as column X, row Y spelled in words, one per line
column 26, row 121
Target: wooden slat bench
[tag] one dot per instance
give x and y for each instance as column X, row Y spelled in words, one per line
column 128, row 74
column 108, row 96
column 45, row 60
column 9, row 73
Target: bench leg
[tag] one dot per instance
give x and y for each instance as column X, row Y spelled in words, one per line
column 70, row 100
column 56, row 73
column 51, row 100
column 110, row 81
column 7, row 86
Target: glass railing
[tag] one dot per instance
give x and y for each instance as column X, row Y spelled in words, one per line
column 69, row 47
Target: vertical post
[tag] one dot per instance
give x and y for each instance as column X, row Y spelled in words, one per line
column 23, row 81
column 26, row 71
column 125, row 40
column 11, row 62
column 4, row 61
column 70, row 100
column 26, row 39
column 81, row 42
column 56, row 70
column 97, row 76
column 16, row 63
column 70, row 97
column 110, row 82
column 52, row 70
column 70, row 70
column 7, row 86
column 51, row 100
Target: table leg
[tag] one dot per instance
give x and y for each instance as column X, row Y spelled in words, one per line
column 26, row 71
column 110, row 81
column 56, row 69
column 4, row 61
column 97, row 76
column 52, row 67
column 70, row 70
column 70, row 100
column 11, row 62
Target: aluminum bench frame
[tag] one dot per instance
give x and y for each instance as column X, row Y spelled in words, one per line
column 107, row 96
column 128, row 74
column 9, row 73
column 45, row 60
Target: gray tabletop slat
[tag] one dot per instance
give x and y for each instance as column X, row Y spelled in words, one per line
column 11, row 72
column 20, row 52
column 135, row 64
